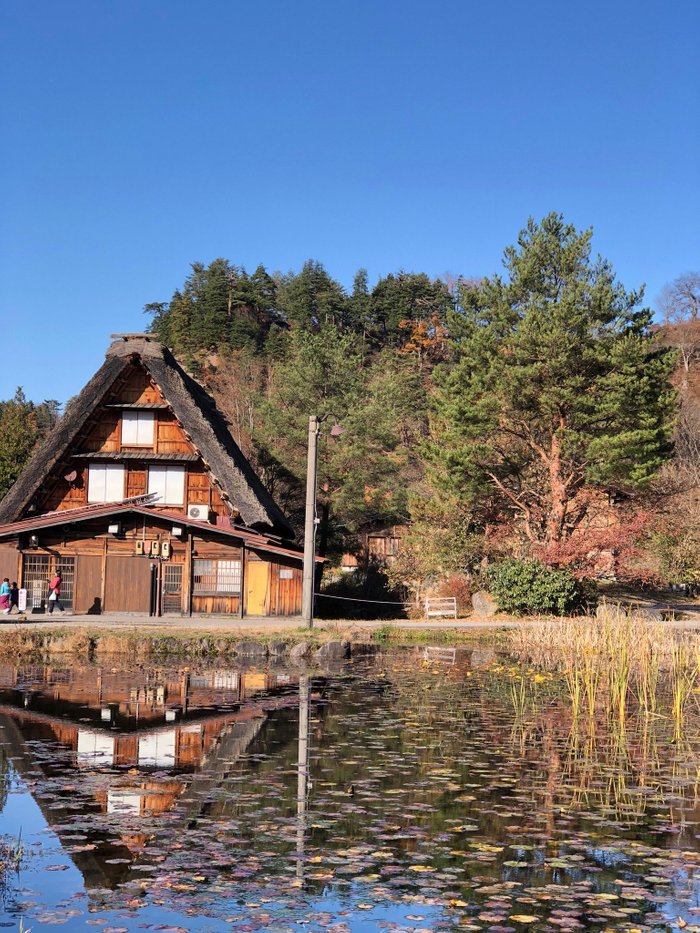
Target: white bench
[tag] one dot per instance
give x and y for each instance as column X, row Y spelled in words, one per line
column 441, row 606
column 439, row 653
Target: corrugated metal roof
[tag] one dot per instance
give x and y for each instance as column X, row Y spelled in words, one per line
column 70, row 516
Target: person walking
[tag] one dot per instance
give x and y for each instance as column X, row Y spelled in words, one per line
column 55, row 592
column 5, row 595
column 14, row 597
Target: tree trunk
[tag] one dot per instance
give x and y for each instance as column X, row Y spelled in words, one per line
column 557, row 488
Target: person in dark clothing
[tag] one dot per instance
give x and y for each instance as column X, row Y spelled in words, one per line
column 14, row 597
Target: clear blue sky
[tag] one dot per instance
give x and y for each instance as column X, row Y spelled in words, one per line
column 141, row 135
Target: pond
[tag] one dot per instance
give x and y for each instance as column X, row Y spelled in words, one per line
column 390, row 793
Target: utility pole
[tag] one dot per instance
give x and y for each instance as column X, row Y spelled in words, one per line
column 307, row 584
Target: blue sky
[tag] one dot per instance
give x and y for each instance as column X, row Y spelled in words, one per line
column 141, row 135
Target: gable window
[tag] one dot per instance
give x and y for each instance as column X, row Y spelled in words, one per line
column 168, row 482
column 105, row 482
column 137, row 428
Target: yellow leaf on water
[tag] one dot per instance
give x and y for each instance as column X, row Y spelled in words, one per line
column 524, row 918
column 420, row 868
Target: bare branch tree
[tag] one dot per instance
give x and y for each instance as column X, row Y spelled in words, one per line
column 679, row 301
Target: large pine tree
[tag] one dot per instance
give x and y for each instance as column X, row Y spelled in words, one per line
column 557, row 386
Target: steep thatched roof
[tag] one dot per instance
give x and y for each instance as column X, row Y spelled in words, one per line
column 192, row 406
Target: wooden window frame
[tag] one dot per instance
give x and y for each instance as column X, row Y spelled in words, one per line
column 146, row 415
column 167, row 468
column 93, row 469
column 205, row 588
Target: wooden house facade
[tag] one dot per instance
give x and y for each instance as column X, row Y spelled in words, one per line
column 145, row 503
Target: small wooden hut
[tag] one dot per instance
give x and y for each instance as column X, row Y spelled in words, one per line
column 143, row 500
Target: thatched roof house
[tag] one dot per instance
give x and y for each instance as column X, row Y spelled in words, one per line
column 142, row 465
column 193, row 408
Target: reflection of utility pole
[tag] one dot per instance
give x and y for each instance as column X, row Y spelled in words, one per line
column 185, row 691
column 302, row 772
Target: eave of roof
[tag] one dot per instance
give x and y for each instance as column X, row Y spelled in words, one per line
column 144, row 455
column 252, row 539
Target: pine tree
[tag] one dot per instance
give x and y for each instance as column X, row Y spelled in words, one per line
column 557, row 385
column 406, row 297
column 360, row 305
column 362, row 474
column 311, row 299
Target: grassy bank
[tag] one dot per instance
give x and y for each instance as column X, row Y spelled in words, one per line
column 84, row 642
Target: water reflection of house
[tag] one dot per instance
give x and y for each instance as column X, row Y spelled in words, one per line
column 102, row 696
column 137, row 749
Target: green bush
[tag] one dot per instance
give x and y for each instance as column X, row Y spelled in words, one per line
column 529, row 586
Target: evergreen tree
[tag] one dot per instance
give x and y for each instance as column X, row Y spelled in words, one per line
column 361, row 478
column 312, row 299
column 219, row 306
column 19, row 432
column 557, row 384
column 406, row 297
column 264, row 290
column 360, row 304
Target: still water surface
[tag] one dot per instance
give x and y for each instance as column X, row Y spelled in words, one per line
column 388, row 794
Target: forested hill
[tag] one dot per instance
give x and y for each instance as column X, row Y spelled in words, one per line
column 493, row 416
column 276, row 348
column 223, row 306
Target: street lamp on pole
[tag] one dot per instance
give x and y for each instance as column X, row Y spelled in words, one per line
column 310, row 520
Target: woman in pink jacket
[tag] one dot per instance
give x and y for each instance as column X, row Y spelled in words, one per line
column 55, row 593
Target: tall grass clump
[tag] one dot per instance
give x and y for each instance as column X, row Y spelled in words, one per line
column 684, row 676
column 614, row 662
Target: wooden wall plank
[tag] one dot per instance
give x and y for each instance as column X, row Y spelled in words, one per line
column 87, row 595
column 8, row 563
column 221, row 605
column 128, row 584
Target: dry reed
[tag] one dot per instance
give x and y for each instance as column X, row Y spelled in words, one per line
column 614, row 660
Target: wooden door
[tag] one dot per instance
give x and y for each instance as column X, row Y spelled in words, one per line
column 88, row 584
column 128, row 584
column 38, row 571
column 257, row 580
column 171, row 600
